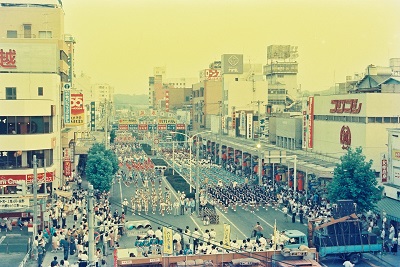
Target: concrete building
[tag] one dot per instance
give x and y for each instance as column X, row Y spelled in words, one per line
column 281, row 73
column 33, row 67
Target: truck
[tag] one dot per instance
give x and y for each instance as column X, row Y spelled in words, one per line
column 342, row 237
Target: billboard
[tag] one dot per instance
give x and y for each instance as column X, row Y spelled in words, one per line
column 210, row 75
column 77, row 110
column 20, row 57
column 232, row 63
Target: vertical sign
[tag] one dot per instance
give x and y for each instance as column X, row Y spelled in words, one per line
column 92, row 116
column 167, row 237
column 304, row 143
column 310, row 121
column 384, row 168
column 227, row 236
column 234, row 121
column 167, row 100
column 67, row 103
column 249, row 127
column 77, row 109
column 242, row 123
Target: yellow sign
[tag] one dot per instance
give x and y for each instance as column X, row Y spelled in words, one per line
column 167, row 237
column 396, row 154
column 227, row 236
column 166, row 121
column 128, row 122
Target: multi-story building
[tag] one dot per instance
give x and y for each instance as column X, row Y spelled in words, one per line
column 33, row 68
column 281, row 73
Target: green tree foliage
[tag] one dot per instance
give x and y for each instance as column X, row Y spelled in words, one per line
column 354, row 179
column 101, row 166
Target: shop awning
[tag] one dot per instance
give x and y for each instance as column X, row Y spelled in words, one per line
column 391, row 207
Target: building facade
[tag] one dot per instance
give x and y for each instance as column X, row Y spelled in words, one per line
column 33, row 67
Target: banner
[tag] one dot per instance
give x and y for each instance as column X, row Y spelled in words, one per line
column 384, row 168
column 249, row 130
column 93, row 116
column 167, row 237
column 310, row 122
column 67, row 168
column 227, row 236
column 77, row 110
column 67, row 106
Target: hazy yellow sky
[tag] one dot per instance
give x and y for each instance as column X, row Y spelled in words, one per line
column 120, row 41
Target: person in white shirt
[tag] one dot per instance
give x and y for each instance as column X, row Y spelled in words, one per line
column 348, row 264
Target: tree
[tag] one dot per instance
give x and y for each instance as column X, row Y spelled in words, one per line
column 354, row 179
column 101, row 166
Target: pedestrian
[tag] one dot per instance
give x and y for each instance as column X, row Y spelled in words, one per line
column 294, row 215
column 40, row 254
column 125, row 204
column 301, row 214
column 257, row 230
column 65, row 245
column 176, row 207
column 20, row 223
column 54, row 262
column 285, row 213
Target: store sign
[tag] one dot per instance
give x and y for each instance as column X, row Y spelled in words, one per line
column 67, row 106
column 345, row 137
column 310, row 122
column 212, row 75
column 11, row 180
column 242, row 126
column 77, row 110
column 180, row 126
column 92, row 116
column 249, row 127
column 232, row 63
column 8, row 59
column 384, row 168
column 346, row 106
column 166, row 121
column 396, row 154
column 304, row 143
column 13, row 203
column 67, row 168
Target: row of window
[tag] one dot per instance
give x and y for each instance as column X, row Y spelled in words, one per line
column 25, row 125
column 28, row 33
column 24, row 159
column 357, row 119
column 11, row 92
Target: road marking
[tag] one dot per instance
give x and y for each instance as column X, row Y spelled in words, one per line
column 231, row 223
column 2, row 239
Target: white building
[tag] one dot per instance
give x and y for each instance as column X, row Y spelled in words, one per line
column 33, row 66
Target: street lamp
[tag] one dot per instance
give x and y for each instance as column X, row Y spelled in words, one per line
column 190, row 140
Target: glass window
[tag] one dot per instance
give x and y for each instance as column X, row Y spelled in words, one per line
column 27, row 31
column 45, row 34
column 12, row 34
column 37, row 124
column 11, row 93
column 11, row 125
column 379, row 119
column 40, row 91
column 363, row 120
column 386, row 120
column 3, row 125
column 47, row 125
column 371, row 119
column 394, row 119
column 23, row 125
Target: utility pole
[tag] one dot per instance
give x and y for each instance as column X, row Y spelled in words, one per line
column 197, row 195
column 35, row 208
column 91, row 223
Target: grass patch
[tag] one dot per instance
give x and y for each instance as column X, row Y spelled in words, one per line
column 179, row 184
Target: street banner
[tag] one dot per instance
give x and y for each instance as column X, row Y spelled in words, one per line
column 227, row 236
column 167, row 237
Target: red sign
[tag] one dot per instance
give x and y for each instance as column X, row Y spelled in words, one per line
column 211, row 74
column 345, row 137
column 67, row 168
column 77, row 104
column 384, row 169
column 123, row 127
column 13, row 178
column 310, row 121
column 142, row 126
column 162, row 127
column 7, row 59
column 346, row 106
column 180, row 126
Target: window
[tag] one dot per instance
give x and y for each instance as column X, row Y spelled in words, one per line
column 45, row 34
column 11, row 93
column 27, row 31
column 281, row 76
column 40, row 91
column 12, row 34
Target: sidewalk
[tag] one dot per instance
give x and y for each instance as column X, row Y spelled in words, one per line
column 387, row 259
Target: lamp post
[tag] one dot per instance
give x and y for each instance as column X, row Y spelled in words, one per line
column 259, row 164
column 190, row 140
